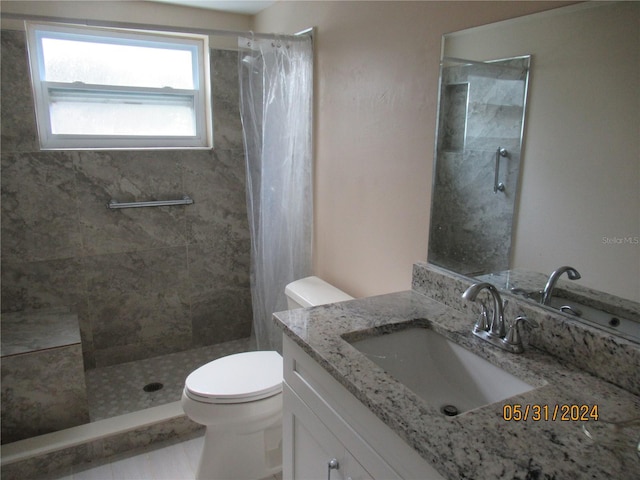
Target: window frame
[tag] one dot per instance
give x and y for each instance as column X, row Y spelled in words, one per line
column 42, row 89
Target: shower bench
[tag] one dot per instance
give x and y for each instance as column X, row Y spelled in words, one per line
column 43, row 386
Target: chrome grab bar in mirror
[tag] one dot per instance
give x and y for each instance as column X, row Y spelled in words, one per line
column 498, row 186
column 185, row 200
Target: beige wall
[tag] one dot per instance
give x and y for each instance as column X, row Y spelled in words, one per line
column 377, row 66
column 580, row 189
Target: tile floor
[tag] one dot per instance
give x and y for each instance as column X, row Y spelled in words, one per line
column 119, row 389
column 168, row 461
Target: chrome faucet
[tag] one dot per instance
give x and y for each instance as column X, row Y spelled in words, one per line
column 496, row 327
column 547, row 293
column 494, row 331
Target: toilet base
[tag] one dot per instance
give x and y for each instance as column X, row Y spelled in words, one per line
column 229, row 455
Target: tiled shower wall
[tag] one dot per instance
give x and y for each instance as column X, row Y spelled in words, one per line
column 481, row 110
column 143, row 281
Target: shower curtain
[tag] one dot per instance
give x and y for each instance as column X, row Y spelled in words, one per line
column 276, row 85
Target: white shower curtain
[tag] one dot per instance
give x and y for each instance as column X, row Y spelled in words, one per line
column 276, row 85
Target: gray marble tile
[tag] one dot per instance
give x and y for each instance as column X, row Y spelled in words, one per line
column 129, row 177
column 481, row 110
column 479, row 236
column 139, row 299
column 220, row 292
column 227, row 127
column 217, row 182
column 29, row 331
column 49, row 284
column 453, row 117
column 43, row 392
column 19, row 133
column 212, row 314
column 143, row 348
column 43, row 284
column 143, row 436
column 39, row 207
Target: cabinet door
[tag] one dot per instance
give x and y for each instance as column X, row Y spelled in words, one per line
column 310, row 446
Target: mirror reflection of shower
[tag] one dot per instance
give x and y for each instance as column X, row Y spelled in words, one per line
column 477, row 162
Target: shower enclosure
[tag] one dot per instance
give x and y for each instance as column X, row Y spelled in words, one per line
column 142, row 282
column 477, row 163
column 153, row 292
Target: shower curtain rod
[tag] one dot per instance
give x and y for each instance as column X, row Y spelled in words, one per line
column 144, row 26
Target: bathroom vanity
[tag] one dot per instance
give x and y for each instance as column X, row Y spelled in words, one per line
column 346, row 416
column 328, row 433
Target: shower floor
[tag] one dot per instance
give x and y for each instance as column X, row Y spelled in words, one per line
column 120, row 389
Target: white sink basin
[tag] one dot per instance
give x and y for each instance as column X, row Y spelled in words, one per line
column 439, row 371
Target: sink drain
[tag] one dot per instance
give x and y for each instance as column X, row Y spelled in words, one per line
column 152, row 387
column 450, row 410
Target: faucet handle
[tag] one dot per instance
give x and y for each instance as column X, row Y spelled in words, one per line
column 513, row 335
column 483, row 320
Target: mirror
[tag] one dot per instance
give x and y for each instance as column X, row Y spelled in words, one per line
column 577, row 195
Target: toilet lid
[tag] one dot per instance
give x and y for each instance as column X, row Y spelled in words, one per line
column 243, row 377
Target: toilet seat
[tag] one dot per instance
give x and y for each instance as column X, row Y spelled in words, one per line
column 243, row 377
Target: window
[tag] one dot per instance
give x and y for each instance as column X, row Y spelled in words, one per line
column 98, row 88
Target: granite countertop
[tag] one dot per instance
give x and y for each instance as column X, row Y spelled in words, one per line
column 477, row 444
column 528, row 281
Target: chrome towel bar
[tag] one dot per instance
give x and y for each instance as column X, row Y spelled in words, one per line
column 185, row 200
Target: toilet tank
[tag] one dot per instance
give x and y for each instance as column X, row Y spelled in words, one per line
column 312, row 291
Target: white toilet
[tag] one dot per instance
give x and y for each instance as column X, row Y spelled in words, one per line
column 239, row 399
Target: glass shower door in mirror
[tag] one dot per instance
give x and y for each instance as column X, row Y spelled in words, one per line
column 477, row 163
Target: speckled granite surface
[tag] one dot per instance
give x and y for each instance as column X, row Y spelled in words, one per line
column 570, row 290
column 479, row 444
column 609, row 357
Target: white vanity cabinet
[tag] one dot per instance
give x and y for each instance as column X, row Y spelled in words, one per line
column 317, row 453
column 323, row 422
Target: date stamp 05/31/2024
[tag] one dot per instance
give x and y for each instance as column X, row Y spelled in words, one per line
column 549, row 413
